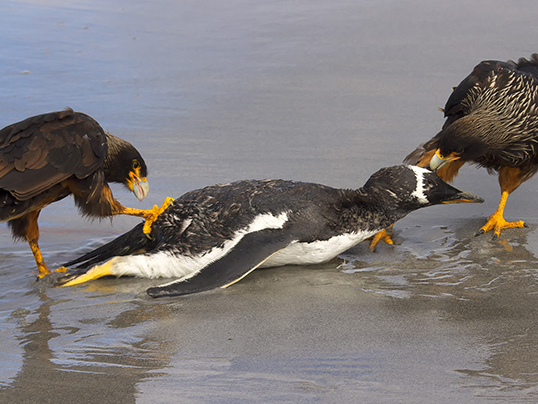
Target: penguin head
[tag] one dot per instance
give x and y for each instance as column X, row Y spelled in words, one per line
column 405, row 188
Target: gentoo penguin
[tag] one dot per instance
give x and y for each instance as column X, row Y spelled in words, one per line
column 215, row 236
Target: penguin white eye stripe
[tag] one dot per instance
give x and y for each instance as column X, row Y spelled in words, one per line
column 419, row 190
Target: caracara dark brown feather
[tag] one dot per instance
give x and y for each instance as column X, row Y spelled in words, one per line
column 47, row 157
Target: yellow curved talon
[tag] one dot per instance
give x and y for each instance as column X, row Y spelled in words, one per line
column 497, row 223
column 382, row 235
column 61, row 269
column 43, row 273
column 152, row 214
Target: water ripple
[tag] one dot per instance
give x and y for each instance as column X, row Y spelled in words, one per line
column 456, row 264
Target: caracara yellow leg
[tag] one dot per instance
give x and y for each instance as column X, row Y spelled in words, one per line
column 497, row 222
column 150, row 215
column 382, row 235
column 41, row 266
column 96, row 272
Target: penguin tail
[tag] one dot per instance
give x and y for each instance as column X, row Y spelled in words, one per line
column 132, row 242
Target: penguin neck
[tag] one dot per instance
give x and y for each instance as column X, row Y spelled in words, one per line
column 370, row 212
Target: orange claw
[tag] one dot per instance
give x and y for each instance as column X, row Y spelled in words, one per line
column 382, row 235
column 497, row 222
column 152, row 214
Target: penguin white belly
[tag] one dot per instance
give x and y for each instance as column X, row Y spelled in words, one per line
column 169, row 265
column 316, row 252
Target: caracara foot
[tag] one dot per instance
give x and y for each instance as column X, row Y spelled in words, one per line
column 497, row 223
column 152, row 214
column 45, row 271
column 382, row 235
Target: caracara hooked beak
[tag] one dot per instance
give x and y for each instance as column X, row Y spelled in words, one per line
column 438, row 160
column 137, row 183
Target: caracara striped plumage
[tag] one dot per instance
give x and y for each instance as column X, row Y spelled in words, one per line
column 492, row 121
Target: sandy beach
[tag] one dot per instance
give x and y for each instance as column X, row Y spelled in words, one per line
column 325, row 92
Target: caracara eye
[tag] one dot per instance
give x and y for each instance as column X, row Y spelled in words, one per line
column 136, row 164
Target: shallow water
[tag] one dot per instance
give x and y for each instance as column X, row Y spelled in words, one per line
column 326, row 92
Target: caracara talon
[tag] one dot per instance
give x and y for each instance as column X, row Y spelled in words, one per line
column 61, row 269
column 497, row 223
column 152, row 215
column 382, row 235
column 45, row 271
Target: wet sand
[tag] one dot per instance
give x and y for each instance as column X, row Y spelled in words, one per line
column 326, row 92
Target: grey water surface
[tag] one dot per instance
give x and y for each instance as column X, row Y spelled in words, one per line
column 323, row 91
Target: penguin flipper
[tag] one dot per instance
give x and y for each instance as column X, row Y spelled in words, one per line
column 249, row 253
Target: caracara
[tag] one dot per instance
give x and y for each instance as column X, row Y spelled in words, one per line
column 47, row 157
column 491, row 121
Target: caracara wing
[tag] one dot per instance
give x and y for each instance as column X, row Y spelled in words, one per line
column 44, row 150
column 461, row 102
column 455, row 107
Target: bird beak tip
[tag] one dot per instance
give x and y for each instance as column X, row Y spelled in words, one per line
column 436, row 162
column 141, row 189
column 466, row 197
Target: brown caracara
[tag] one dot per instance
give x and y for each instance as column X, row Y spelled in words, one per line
column 47, row 157
column 491, row 121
